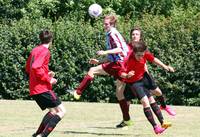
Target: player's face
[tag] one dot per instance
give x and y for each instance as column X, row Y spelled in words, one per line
column 107, row 25
column 136, row 35
column 139, row 55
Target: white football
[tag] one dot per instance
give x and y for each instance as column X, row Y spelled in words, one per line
column 95, row 10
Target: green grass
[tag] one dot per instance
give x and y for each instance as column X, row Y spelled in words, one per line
column 21, row 118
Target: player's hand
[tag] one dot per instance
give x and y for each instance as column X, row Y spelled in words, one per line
column 101, row 52
column 51, row 74
column 94, row 61
column 130, row 74
column 170, row 69
column 53, row 81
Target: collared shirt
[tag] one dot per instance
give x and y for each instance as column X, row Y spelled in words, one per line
column 131, row 64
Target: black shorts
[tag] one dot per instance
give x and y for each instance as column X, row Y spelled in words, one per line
column 47, row 100
column 142, row 87
column 140, row 91
column 149, row 81
column 128, row 94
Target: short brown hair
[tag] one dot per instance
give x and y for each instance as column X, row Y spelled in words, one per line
column 139, row 46
column 45, row 36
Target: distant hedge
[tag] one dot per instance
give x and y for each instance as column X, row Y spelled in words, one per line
column 173, row 39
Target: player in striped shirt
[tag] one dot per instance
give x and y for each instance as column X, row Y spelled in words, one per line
column 116, row 51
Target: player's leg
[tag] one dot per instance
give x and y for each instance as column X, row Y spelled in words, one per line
column 97, row 70
column 45, row 120
column 120, row 87
column 57, row 111
column 149, row 115
column 157, row 111
column 155, row 90
column 140, row 92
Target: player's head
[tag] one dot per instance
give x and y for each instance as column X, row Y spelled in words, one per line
column 139, row 49
column 136, row 34
column 45, row 36
column 109, row 22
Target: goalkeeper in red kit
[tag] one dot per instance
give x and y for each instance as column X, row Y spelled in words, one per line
column 40, row 85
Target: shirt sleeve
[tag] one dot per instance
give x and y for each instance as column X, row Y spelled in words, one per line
column 28, row 64
column 40, row 67
column 149, row 56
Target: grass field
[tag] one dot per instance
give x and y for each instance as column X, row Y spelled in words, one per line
column 21, row 118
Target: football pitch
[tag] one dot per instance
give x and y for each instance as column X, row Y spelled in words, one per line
column 21, row 119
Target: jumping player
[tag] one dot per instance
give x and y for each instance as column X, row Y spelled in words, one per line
column 116, row 51
column 135, row 75
column 40, row 85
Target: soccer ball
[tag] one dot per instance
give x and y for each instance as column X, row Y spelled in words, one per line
column 95, row 10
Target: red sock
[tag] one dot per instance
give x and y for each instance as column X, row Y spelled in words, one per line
column 125, row 109
column 84, row 84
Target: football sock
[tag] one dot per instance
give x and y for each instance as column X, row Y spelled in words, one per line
column 84, row 83
column 45, row 120
column 125, row 109
column 161, row 99
column 50, row 125
column 157, row 112
column 149, row 116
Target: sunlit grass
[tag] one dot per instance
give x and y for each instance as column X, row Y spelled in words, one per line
column 21, row 119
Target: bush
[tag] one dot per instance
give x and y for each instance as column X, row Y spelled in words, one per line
column 172, row 35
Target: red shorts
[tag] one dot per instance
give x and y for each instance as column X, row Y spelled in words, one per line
column 113, row 68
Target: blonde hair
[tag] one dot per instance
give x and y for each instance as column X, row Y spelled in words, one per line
column 112, row 18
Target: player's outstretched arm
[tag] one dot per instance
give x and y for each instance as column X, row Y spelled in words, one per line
column 111, row 51
column 97, row 62
column 161, row 64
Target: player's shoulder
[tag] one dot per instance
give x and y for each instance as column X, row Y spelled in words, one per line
column 40, row 49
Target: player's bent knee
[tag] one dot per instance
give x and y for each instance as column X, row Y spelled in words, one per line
column 145, row 102
column 157, row 92
column 61, row 110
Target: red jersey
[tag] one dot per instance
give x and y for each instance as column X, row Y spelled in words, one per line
column 131, row 64
column 37, row 68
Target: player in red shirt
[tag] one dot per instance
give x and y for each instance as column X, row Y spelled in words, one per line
column 136, row 35
column 134, row 72
column 40, row 85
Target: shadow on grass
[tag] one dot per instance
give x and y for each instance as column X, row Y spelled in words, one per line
column 93, row 133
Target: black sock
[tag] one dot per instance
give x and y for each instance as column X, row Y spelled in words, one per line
column 157, row 112
column 161, row 100
column 45, row 120
column 51, row 125
column 149, row 116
